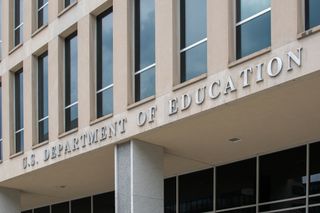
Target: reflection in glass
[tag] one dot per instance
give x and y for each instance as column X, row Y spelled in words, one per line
column 18, row 103
column 144, row 36
column 145, row 84
column 170, row 201
column 60, row 208
column 247, row 210
column 104, row 63
column 104, row 203
column 315, row 168
column 194, row 62
column 312, row 13
column 248, row 8
column 253, row 28
column 42, row 13
column 283, row 205
column 196, row 192
column 43, row 97
column 289, row 181
column 193, row 42
column 71, row 82
column 82, row 205
column 235, row 192
column 18, row 22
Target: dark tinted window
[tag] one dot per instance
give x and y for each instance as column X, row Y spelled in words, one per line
column 104, row 203
column 314, row 209
column 283, row 175
column 236, row 184
column 43, row 131
column 28, row 211
column 247, row 210
column 71, row 82
column 283, row 205
column 312, row 13
column 81, row 206
column 18, row 96
column 196, row 192
column 252, row 34
column 315, row 168
column 144, row 48
column 104, row 63
column 18, row 21
column 68, row 2
column 42, row 210
column 60, row 208
column 170, row 195
column 42, row 12
column 193, row 31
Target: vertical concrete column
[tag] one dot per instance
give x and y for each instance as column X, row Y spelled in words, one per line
column 167, row 54
column 86, row 70
column 7, row 113
column 122, row 61
column 220, row 36
column 27, row 20
column 29, row 112
column 55, row 72
column 284, row 25
column 5, row 29
column 9, row 200
column 139, row 178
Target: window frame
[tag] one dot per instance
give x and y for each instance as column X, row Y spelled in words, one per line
column 20, row 26
column 236, row 24
column 75, row 103
column 38, row 9
column 1, row 121
column 134, row 46
column 97, row 91
column 189, row 47
column 38, row 119
column 20, row 70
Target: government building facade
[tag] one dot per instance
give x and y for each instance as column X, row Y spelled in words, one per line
column 159, row 106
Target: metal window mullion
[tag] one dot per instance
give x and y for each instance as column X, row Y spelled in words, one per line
column 145, row 69
column 194, row 45
column 215, row 189
column 282, row 201
column 285, row 209
column 254, row 16
column 236, row 208
column 43, row 6
column 19, row 26
column 314, row 195
column 44, row 118
column 19, row 130
column 105, row 88
column 177, row 194
column 71, row 105
column 308, row 178
column 257, row 183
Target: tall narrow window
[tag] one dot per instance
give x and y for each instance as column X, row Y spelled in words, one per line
column 43, row 119
column 253, row 28
column 71, row 82
column 144, row 76
column 1, row 150
column 193, row 38
column 312, row 13
column 18, row 22
column 42, row 13
column 104, row 64
column 0, row 28
column 68, row 2
column 18, row 106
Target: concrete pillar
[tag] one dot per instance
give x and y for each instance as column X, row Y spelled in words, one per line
column 9, row 200
column 139, row 178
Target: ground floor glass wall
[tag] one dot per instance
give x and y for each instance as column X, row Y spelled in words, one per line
column 286, row 182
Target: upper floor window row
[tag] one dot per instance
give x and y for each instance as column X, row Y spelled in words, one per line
column 18, row 22
column 42, row 11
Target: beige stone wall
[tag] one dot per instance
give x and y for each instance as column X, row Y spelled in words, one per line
column 286, row 27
